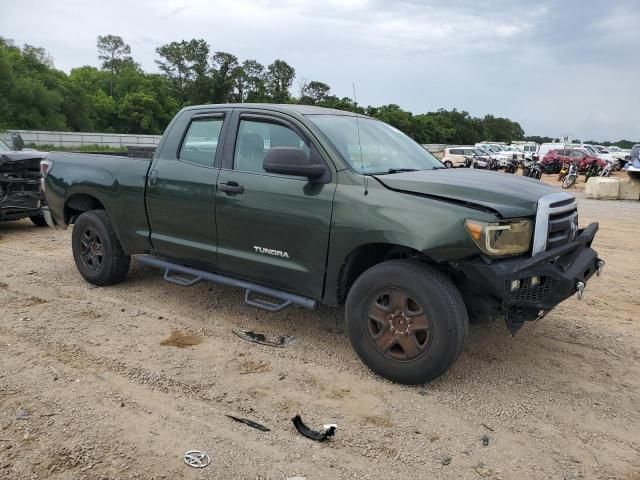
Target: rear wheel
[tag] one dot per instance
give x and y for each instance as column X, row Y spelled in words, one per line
column 406, row 321
column 448, row 163
column 38, row 221
column 97, row 250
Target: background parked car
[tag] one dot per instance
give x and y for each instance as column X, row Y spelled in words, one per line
column 496, row 153
column 20, row 192
column 455, row 156
column 598, row 152
column 516, row 153
column 554, row 159
column 527, row 149
column 545, row 148
column 621, row 155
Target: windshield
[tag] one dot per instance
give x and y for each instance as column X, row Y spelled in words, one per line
column 371, row 146
column 479, row 151
column 4, row 148
column 590, row 149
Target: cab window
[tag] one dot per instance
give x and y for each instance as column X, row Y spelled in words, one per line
column 256, row 137
column 201, row 141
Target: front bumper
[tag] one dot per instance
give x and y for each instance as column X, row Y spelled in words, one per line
column 48, row 217
column 541, row 282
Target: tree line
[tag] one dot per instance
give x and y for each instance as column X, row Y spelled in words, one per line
column 120, row 97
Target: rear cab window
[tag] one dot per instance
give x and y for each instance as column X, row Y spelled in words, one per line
column 200, row 142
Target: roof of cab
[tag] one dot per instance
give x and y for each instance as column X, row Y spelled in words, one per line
column 279, row 107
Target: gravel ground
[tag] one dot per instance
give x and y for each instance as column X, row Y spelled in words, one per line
column 92, row 385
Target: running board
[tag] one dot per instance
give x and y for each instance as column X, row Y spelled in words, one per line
column 187, row 276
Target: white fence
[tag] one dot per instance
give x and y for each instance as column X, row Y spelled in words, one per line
column 77, row 139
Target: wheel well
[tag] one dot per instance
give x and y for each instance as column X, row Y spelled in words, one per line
column 365, row 257
column 79, row 203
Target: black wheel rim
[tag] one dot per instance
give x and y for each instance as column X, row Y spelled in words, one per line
column 91, row 249
column 398, row 325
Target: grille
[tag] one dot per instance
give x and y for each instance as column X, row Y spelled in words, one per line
column 530, row 293
column 563, row 225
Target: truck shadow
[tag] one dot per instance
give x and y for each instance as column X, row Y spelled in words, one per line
column 16, row 226
column 491, row 343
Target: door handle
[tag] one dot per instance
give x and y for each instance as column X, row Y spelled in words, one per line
column 153, row 177
column 231, row 188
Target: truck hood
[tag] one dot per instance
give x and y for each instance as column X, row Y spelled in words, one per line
column 508, row 195
column 25, row 155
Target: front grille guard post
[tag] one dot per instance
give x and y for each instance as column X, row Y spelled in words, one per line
column 545, row 209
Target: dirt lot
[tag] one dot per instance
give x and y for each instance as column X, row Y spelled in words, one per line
column 91, row 385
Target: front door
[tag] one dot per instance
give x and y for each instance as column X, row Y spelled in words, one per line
column 181, row 190
column 272, row 229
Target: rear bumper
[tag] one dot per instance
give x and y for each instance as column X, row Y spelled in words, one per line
column 542, row 281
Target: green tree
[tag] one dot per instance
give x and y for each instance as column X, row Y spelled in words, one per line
column 137, row 112
column 176, row 66
column 502, row 129
column 311, row 93
column 186, row 64
column 225, row 72
column 395, row 116
column 114, row 54
column 279, row 78
column 250, row 82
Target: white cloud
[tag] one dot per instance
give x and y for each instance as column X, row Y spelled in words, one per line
column 555, row 67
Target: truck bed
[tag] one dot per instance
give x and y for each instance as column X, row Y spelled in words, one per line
column 104, row 177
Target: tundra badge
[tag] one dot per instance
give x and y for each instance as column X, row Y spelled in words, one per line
column 269, row 251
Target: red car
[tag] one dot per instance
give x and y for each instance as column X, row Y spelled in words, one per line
column 562, row 156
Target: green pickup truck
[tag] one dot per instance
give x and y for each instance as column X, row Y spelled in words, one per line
column 299, row 205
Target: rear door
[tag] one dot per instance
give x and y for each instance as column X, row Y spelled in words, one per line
column 272, row 229
column 181, row 188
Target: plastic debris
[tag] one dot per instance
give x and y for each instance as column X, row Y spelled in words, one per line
column 485, row 440
column 262, row 339
column 251, row 423
column 196, row 459
column 318, row 436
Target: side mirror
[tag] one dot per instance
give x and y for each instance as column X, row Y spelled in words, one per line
column 291, row 161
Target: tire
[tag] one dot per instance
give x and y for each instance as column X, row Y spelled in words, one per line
column 568, row 181
column 448, row 163
column 38, row 221
column 97, row 250
column 434, row 348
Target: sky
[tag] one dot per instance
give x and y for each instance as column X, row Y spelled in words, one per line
column 557, row 67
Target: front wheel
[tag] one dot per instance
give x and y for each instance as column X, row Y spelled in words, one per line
column 406, row 321
column 97, row 250
column 568, row 181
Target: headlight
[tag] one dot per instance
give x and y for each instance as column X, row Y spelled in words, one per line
column 499, row 239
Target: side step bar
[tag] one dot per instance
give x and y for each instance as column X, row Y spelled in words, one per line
column 175, row 273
